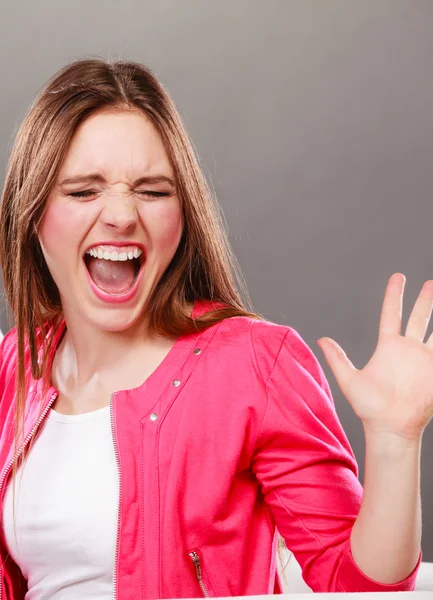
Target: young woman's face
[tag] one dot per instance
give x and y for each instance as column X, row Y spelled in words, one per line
column 113, row 220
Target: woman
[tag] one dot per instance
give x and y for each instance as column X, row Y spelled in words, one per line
column 164, row 434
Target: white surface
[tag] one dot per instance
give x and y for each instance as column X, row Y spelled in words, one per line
column 66, row 515
column 291, row 575
column 424, row 580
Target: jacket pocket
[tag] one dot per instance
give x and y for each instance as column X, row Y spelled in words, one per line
column 202, row 575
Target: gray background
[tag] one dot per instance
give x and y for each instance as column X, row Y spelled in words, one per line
column 314, row 123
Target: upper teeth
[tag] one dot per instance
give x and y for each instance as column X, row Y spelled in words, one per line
column 113, row 254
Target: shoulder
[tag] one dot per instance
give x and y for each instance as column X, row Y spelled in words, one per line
column 9, row 355
column 270, row 345
column 283, row 347
column 8, row 348
column 8, row 359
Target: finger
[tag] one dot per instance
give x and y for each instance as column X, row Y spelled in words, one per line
column 429, row 341
column 390, row 317
column 420, row 316
column 340, row 365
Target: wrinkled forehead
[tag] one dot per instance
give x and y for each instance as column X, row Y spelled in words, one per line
column 120, row 145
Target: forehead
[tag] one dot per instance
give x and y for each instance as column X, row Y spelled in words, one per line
column 119, row 145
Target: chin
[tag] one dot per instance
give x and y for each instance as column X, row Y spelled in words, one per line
column 117, row 321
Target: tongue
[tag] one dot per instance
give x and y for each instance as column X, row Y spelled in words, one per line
column 112, row 277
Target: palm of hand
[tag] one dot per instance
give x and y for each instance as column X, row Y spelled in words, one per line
column 393, row 393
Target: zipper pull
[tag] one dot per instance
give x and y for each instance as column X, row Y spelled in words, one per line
column 196, row 560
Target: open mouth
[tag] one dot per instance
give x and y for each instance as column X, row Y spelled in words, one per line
column 114, row 271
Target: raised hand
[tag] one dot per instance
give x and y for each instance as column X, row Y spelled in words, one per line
column 393, row 393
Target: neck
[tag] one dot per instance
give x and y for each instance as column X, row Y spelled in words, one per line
column 86, row 352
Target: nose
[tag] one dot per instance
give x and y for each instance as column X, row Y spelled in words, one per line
column 119, row 213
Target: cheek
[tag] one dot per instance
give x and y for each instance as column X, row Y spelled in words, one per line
column 51, row 230
column 60, row 227
column 166, row 227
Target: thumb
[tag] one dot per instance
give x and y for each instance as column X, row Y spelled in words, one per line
column 341, row 367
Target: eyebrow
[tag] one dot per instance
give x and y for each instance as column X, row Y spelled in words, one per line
column 98, row 178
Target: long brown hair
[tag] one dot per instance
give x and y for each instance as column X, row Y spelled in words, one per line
column 203, row 268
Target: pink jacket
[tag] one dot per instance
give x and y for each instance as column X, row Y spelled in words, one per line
column 234, row 435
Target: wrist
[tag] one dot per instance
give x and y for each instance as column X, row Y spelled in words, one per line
column 390, row 444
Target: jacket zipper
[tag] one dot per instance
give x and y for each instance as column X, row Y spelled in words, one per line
column 18, row 454
column 116, row 454
column 196, row 560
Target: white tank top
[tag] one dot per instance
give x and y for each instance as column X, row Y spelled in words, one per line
column 66, row 509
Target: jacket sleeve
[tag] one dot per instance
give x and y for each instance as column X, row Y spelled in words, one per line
column 308, row 472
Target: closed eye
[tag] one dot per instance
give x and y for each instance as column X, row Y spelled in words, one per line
column 154, row 194
column 88, row 193
column 83, row 194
